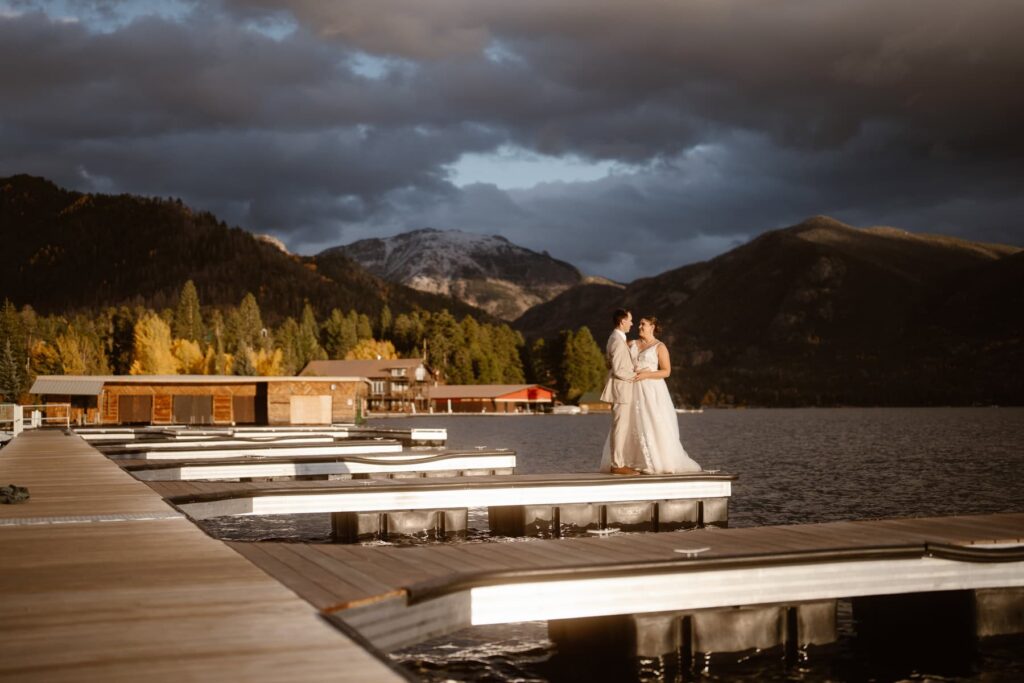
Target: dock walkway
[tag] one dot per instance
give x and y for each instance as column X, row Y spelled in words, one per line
column 102, row 580
column 397, row 596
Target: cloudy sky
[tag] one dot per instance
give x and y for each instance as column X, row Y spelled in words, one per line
column 626, row 137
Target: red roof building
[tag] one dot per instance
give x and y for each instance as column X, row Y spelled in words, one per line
column 489, row 398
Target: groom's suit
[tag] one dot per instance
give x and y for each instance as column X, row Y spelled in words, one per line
column 618, row 390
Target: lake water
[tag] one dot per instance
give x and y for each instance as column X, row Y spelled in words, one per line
column 794, row 466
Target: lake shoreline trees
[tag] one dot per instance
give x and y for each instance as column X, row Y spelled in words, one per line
column 191, row 339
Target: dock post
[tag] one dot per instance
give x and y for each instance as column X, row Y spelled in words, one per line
column 577, row 518
column 737, row 629
column 714, row 512
column 523, row 520
column 640, row 516
column 999, row 611
column 351, row 527
column 678, row 514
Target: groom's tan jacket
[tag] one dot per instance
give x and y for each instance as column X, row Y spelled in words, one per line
column 618, row 388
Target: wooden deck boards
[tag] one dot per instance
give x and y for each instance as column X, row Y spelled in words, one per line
column 142, row 598
column 402, row 567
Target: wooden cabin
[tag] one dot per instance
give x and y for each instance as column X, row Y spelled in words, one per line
column 490, row 398
column 396, row 386
column 204, row 399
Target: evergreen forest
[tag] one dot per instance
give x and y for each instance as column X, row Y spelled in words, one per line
column 190, row 338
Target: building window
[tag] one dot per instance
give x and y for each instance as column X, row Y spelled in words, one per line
column 377, row 387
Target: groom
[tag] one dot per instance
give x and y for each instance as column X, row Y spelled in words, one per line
column 618, row 390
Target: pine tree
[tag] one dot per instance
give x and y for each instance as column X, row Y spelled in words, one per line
column 244, row 325
column 309, row 338
column 120, row 340
column 287, row 338
column 507, row 345
column 444, row 338
column 408, row 332
column 363, row 328
column 245, row 361
column 543, row 364
column 13, row 332
column 385, row 321
column 10, row 379
column 340, row 333
column 188, row 319
column 583, row 366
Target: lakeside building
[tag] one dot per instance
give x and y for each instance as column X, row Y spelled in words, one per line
column 591, row 402
column 202, row 399
column 396, row 386
column 490, row 398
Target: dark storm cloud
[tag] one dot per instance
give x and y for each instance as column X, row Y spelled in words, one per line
column 327, row 122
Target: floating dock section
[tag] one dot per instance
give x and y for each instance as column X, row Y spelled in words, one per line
column 703, row 591
column 102, row 580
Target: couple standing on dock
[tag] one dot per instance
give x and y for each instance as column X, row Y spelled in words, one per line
column 644, row 438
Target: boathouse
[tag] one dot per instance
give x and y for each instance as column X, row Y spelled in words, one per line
column 203, row 399
column 398, row 385
column 490, row 398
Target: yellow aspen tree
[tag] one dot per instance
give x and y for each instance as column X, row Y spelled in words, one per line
column 189, row 356
column 269, row 362
column 371, row 349
column 152, row 349
column 70, row 352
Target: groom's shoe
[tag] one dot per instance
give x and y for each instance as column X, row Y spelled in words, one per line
column 624, row 470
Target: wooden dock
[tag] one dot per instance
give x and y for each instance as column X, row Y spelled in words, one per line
column 198, row 450
column 432, row 463
column 397, row 596
column 517, row 505
column 414, row 436
column 101, row 580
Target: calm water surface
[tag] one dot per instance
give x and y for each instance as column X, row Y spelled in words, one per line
column 794, row 466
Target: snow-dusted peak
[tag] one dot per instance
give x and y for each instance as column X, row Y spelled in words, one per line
column 484, row 270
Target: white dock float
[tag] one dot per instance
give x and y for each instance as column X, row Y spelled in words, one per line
column 515, row 490
column 209, row 444
column 502, row 460
column 257, row 450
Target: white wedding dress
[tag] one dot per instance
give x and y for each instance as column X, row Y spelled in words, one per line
column 654, row 446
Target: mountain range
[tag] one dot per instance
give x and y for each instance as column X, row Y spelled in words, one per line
column 820, row 313
column 823, row 313
column 66, row 251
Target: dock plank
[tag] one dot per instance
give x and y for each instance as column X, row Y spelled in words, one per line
column 141, row 598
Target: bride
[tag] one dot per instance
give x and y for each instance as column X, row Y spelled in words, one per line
column 655, row 425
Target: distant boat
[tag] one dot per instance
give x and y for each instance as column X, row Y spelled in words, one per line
column 566, row 410
column 689, row 410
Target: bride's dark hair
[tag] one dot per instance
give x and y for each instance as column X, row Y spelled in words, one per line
column 654, row 323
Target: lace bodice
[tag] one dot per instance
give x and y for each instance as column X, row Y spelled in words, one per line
column 648, row 358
